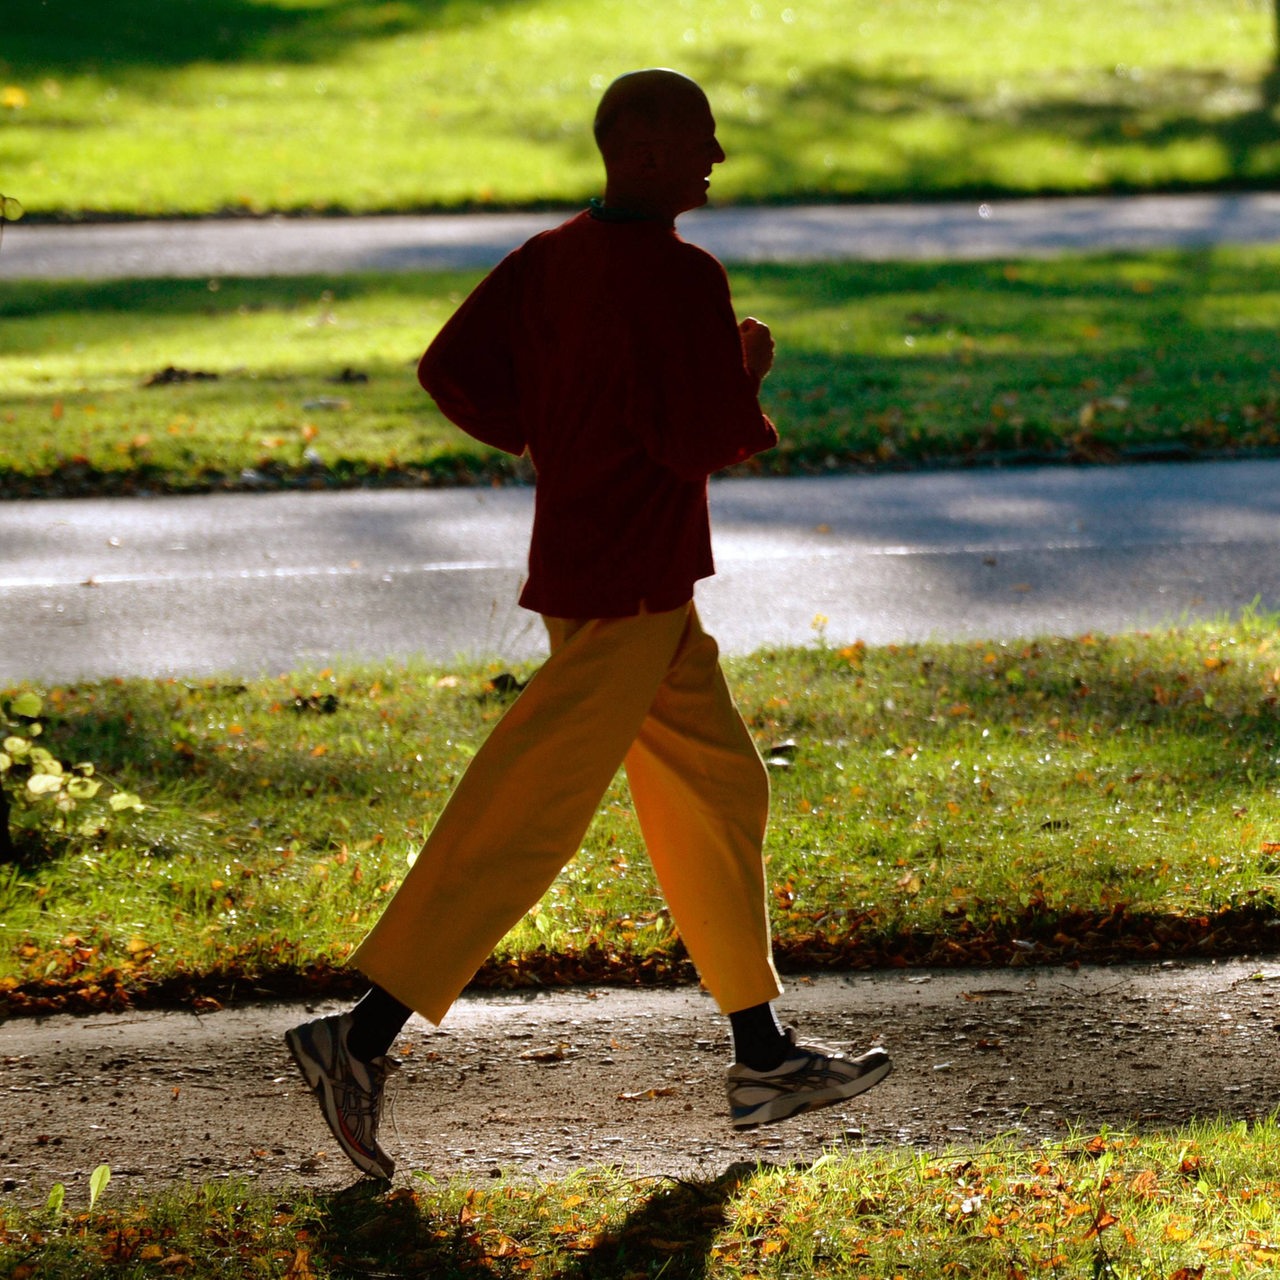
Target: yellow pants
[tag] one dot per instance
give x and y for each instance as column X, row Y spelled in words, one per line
column 646, row 691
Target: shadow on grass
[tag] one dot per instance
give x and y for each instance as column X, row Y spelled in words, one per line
column 145, row 299
column 1164, row 113
column 669, row 1231
column 127, row 38
column 956, row 362
column 1134, row 280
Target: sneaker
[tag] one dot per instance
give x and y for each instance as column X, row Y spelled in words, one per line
column 349, row 1090
column 809, row 1077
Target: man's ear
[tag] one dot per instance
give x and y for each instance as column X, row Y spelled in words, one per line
column 646, row 158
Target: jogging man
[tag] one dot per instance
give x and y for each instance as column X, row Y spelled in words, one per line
column 609, row 350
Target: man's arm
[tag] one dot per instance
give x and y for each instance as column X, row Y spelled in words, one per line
column 705, row 374
column 469, row 369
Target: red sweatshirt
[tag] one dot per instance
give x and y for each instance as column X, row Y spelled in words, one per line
column 610, row 351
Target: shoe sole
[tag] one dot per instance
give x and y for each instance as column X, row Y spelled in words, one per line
column 788, row 1108
column 318, row 1083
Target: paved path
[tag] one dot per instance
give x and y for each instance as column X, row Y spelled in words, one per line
column 262, row 583
column 538, row 1085
column 281, row 246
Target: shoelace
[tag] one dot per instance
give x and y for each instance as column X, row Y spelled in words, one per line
column 391, row 1070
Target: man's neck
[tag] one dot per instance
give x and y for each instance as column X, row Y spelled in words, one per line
column 633, row 206
column 602, row 211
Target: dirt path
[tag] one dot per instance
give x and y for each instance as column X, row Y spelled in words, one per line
column 540, row 1084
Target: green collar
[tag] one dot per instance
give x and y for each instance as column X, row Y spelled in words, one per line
column 601, row 213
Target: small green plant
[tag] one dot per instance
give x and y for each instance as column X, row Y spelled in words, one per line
column 57, row 1195
column 56, row 796
column 98, row 1180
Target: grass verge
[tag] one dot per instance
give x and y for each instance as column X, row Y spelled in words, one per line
column 1090, row 798
column 190, row 385
column 127, row 108
column 1175, row 1205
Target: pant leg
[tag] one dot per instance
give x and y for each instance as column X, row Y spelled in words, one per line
column 520, row 810
column 701, row 794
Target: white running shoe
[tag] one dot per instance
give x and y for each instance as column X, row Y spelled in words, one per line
column 808, row 1078
column 348, row 1089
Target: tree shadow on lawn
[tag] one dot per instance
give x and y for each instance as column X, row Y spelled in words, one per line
column 146, row 300
column 1161, row 114
column 1165, row 285
column 126, row 38
column 1008, row 356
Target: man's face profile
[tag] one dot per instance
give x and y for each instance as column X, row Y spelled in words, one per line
column 688, row 156
column 658, row 139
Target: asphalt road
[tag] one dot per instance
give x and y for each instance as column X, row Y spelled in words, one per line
column 280, row 246
column 264, row 583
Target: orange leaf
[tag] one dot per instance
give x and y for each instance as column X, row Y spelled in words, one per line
column 300, row 1267
column 1104, row 1220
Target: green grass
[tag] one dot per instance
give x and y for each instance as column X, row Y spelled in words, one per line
column 1173, row 1205
column 1098, row 798
column 879, row 364
column 146, row 107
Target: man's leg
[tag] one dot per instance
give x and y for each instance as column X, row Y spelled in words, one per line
column 520, row 811
column 702, row 798
column 515, row 818
column 702, row 795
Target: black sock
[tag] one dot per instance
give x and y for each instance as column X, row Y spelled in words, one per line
column 377, row 1020
column 758, row 1039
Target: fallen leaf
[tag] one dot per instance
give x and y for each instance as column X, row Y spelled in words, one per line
column 300, row 1268
column 550, row 1053
column 1101, row 1222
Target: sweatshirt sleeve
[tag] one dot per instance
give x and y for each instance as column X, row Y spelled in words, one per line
column 470, row 367
column 705, row 413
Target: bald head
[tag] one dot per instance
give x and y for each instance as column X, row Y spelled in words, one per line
column 645, row 106
column 657, row 135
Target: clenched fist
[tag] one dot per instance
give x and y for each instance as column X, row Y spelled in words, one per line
column 757, row 348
